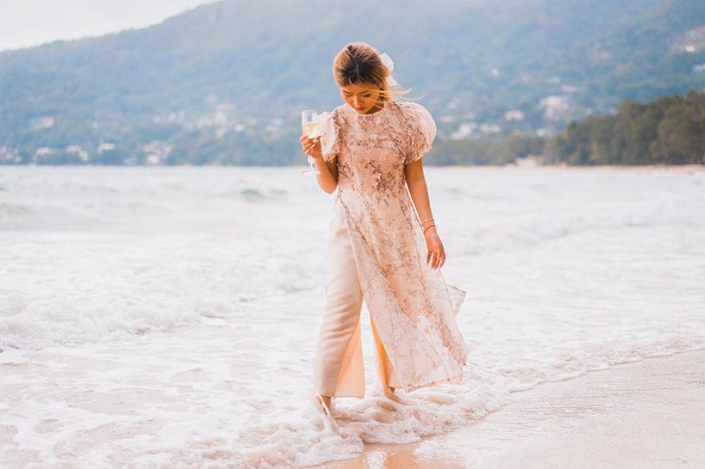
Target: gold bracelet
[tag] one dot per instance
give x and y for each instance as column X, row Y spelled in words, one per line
column 426, row 221
column 429, row 226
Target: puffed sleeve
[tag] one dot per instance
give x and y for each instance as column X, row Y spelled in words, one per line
column 328, row 128
column 422, row 131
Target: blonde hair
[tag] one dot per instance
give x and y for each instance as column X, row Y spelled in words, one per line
column 360, row 63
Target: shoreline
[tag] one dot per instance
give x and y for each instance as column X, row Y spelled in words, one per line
column 649, row 167
column 686, row 168
column 646, row 167
column 646, row 415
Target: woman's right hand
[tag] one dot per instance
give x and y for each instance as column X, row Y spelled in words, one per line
column 311, row 146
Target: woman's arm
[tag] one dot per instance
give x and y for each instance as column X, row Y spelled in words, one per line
column 328, row 177
column 416, row 181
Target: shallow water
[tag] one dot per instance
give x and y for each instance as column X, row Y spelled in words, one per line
column 167, row 317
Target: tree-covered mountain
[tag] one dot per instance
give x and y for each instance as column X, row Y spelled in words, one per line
column 225, row 82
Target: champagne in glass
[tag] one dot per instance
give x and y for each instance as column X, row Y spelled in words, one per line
column 309, row 125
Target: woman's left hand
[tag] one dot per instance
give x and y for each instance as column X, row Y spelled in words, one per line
column 436, row 256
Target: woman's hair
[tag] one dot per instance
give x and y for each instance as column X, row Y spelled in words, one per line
column 359, row 62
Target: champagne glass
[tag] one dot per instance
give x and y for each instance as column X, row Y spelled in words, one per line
column 309, row 125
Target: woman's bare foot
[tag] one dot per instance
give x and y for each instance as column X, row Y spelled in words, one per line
column 325, row 403
column 389, row 393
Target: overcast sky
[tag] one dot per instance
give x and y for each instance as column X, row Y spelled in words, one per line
column 25, row 23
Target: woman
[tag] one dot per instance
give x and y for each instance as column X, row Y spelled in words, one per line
column 384, row 245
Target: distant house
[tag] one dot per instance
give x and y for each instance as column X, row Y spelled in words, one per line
column 514, row 115
column 156, row 152
column 105, row 146
column 555, row 107
column 9, row 155
column 77, row 150
column 691, row 41
column 152, row 160
column 44, row 152
column 489, row 129
column 43, row 122
column 530, row 161
column 466, row 129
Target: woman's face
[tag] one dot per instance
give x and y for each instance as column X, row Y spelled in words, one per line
column 362, row 97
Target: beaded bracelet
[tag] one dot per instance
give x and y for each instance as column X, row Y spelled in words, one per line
column 429, row 226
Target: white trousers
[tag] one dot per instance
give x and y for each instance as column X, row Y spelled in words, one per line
column 338, row 364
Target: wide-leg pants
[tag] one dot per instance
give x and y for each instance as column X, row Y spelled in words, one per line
column 338, row 364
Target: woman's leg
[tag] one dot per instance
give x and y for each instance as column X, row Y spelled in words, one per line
column 338, row 365
column 385, row 369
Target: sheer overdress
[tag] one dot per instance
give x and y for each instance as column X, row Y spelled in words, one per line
column 377, row 252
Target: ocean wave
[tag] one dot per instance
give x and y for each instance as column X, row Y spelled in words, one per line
column 12, row 210
column 250, row 194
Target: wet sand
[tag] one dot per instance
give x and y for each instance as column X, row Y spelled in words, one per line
column 643, row 415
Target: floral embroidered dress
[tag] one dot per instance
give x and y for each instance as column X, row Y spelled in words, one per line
column 411, row 307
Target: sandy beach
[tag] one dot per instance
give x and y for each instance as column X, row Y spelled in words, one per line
column 648, row 414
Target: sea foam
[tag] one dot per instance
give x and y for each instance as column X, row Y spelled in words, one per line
column 167, row 317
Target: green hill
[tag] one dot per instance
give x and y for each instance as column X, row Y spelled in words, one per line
column 225, row 83
column 670, row 130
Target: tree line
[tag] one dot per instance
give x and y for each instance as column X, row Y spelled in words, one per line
column 670, row 130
